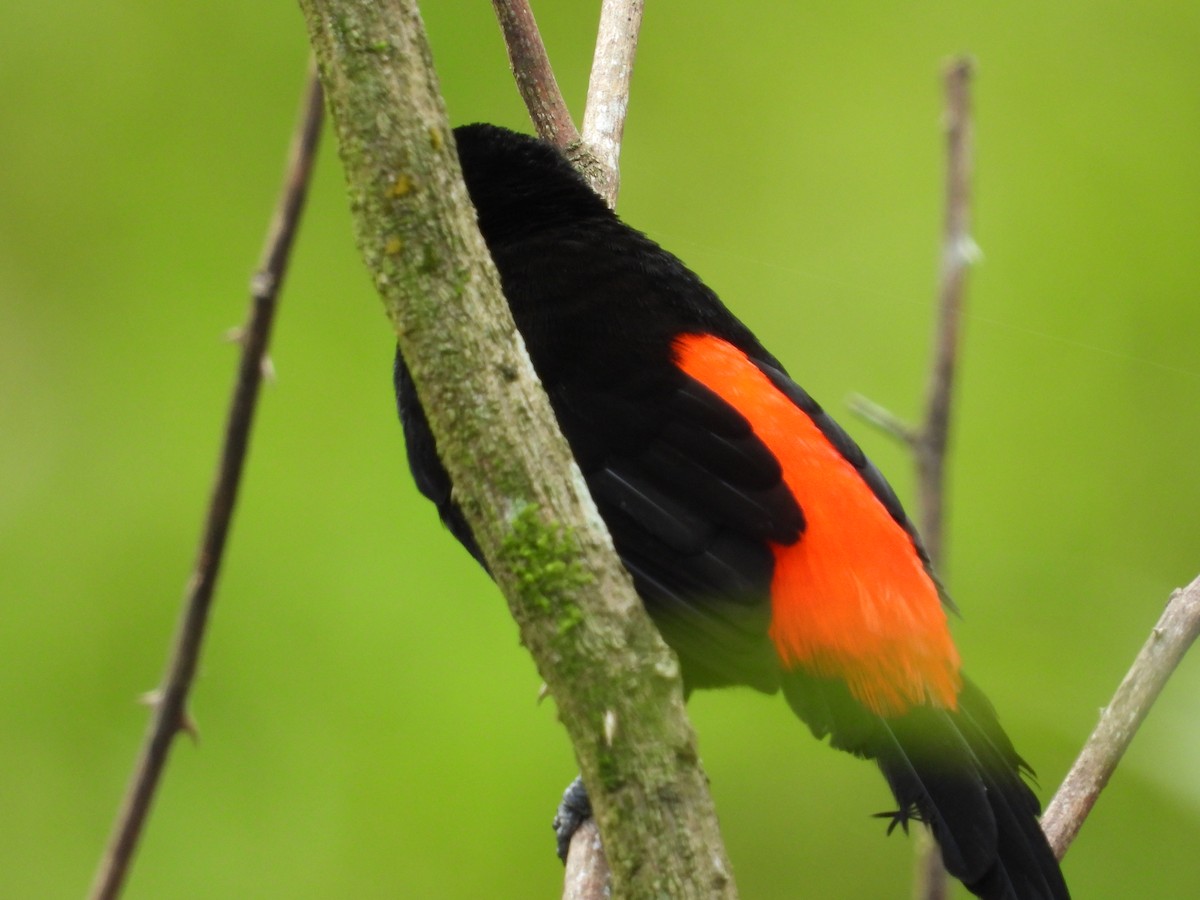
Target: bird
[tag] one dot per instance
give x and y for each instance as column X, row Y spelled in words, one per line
column 766, row 547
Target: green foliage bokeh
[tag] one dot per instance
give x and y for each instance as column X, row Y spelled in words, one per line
column 368, row 721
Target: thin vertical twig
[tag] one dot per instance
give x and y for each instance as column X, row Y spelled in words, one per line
column 929, row 449
column 170, row 700
column 929, row 440
column 533, row 73
column 1169, row 640
column 587, row 875
column 957, row 255
column 608, row 86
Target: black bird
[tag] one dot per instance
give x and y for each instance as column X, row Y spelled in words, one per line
column 768, row 549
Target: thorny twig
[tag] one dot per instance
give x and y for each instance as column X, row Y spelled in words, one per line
column 170, row 699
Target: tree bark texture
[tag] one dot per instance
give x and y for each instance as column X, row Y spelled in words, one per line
column 615, row 683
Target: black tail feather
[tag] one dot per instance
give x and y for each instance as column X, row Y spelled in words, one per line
column 946, row 798
column 1023, row 847
column 957, row 772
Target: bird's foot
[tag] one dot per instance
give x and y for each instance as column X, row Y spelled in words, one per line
column 573, row 811
column 900, row 817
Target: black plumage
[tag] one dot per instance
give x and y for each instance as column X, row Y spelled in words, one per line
column 697, row 503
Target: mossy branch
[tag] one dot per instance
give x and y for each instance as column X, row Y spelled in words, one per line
column 528, row 505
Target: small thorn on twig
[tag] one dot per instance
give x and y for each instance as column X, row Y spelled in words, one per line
column 883, row 419
column 153, row 699
column 188, row 726
column 543, row 693
column 964, row 251
column 237, row 335
column 263, row 284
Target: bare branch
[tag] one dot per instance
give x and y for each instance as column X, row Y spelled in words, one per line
column 170, row 700
column 596, row 155
column 928, row 441
column 608, row 87
column 957, row 256
column 587, row 875
column 930, row 880
column 1119, row 722
column 533, row 73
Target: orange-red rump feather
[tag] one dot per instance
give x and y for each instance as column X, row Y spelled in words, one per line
column 852, row 598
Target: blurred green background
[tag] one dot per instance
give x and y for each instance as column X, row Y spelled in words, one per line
column 369, row 725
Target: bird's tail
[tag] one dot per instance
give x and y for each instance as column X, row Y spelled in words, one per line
column 957, row 772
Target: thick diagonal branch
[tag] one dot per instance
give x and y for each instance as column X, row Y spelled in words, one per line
column 514, row 476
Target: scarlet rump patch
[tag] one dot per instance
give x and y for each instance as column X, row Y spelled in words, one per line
column 851, row 599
